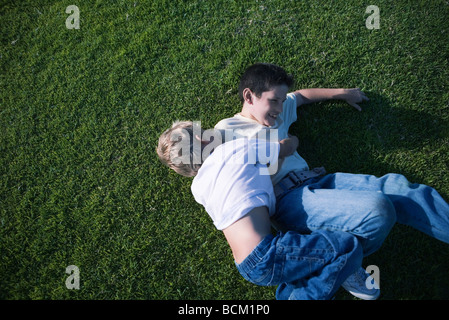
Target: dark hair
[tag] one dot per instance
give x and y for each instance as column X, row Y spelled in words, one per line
column 261, row 77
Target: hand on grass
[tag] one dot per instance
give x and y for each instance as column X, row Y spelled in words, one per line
column 353, row 97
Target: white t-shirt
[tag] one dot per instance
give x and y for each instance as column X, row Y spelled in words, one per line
column 229, row 183
column 240, row 126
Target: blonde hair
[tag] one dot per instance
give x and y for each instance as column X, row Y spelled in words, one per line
column 177, row 150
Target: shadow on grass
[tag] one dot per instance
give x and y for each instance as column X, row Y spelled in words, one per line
column 377, row 140
column 386, row 138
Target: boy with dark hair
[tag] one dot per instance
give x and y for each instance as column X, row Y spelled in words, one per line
column 308, row 200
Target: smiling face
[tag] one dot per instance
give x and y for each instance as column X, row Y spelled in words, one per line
column 266, row 108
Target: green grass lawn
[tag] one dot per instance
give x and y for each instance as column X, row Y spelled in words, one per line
column 81, row 111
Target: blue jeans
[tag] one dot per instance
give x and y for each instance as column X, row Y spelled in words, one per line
column 305, row 267
column 363, row 205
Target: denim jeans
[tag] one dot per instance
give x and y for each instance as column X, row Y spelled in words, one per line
column 363, row 205
column 305, row 267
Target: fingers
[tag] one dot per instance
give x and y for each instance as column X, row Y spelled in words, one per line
column 362, row 95
column 359, row 96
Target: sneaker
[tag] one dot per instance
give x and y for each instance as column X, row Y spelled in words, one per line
column 356, row 285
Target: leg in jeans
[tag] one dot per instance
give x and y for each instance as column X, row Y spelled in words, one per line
column 416, row 205
column 305, row 267
column 365, row 206
column 365, row 214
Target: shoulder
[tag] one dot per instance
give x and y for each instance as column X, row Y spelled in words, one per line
column 238, row 127
column 293, row 100
column 290, row 105
column 235, row 121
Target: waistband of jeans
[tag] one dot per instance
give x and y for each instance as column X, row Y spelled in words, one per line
column 256, row 255
column 297, row 178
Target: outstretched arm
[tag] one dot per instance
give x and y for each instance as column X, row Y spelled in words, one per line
column 352, row 96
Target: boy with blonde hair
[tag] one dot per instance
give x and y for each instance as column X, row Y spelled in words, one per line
column 231, row 182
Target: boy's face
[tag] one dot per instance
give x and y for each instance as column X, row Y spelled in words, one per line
column 267, row 108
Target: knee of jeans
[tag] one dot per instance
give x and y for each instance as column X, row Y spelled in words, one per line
column 380, row 220
column 384, row 212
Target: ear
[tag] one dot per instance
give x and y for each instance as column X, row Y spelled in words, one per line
column 248, row 95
